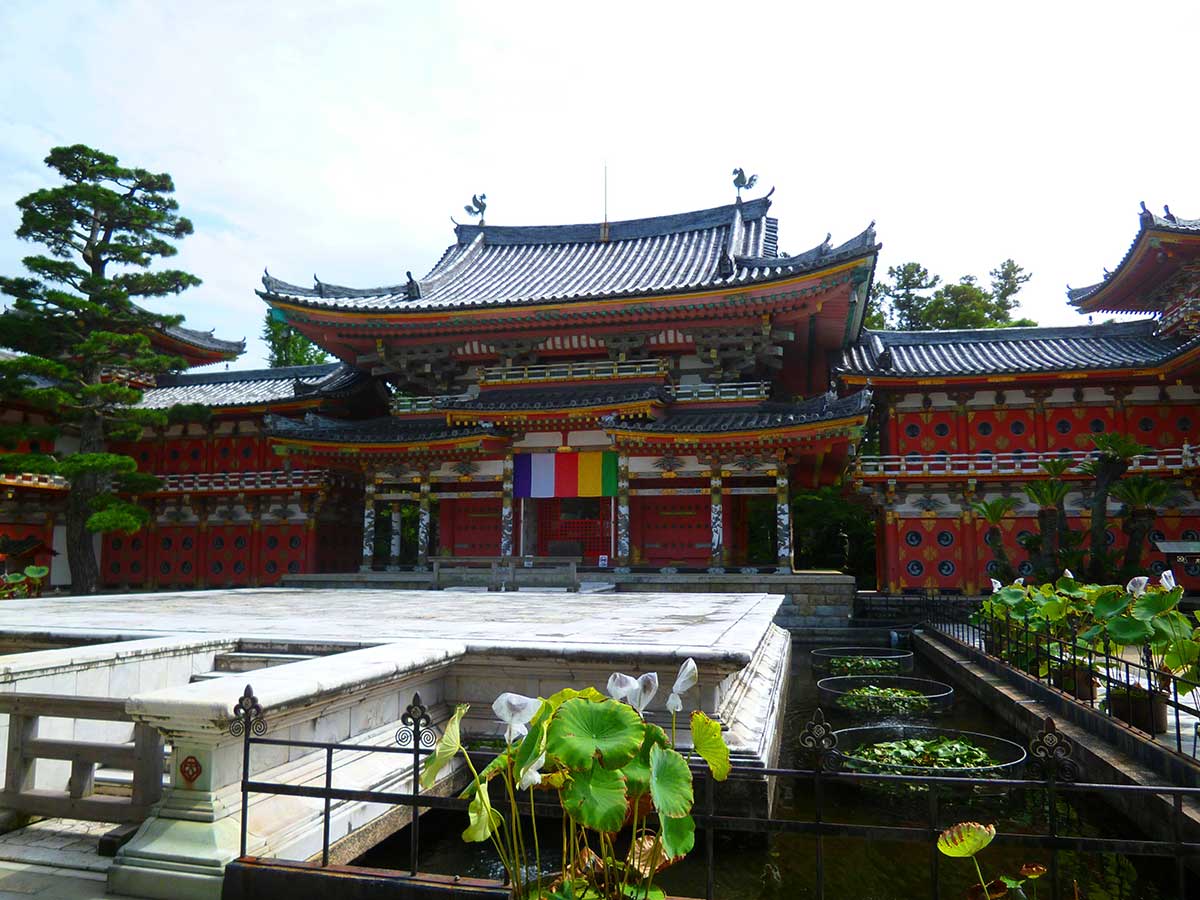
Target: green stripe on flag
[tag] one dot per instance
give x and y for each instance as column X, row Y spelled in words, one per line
column 608, row 475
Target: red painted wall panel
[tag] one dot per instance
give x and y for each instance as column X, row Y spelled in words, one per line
column 673, row 530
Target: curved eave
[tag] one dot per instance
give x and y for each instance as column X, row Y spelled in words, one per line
column 198, row 354
column 582, row 305
column 1129, row 287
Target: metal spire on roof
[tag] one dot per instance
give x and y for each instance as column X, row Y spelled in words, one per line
column 741, row 181
column 477, row 207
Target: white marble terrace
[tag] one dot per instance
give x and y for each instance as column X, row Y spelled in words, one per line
column 157, row 652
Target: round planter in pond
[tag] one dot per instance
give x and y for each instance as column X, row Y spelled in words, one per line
column 833, row 661
column 919, row 750
column 885, row 695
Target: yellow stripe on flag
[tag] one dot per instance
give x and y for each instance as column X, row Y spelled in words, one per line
column 590, row 474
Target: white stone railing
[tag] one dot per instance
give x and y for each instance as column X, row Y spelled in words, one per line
column 279, row 479
column 1011, row 463
column 746, row 390
column 573, row 371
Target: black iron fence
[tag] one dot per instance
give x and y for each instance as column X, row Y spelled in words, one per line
column 1124, row 687
column 1050, row 760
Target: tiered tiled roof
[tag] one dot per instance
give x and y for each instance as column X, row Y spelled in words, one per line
column 381, row 430
column 728, row 246
column 556, row 397
column 205, row 340
column 253, row 387
column 908, row 354
column 757, row 418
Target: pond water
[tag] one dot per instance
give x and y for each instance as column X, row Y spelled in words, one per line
column 782, row 867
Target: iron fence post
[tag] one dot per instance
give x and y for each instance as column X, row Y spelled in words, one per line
column 416, row 734
column 247, row 720
column 328, row 788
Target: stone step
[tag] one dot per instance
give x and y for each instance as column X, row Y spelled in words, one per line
column 242, row 661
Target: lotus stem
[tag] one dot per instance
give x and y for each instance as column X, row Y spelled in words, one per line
column 537, row 850
column 979, row 872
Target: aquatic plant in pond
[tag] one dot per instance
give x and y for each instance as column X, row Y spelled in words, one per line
column 863, row 665
column 613, row 772
column 942, row 752
column 23, row 584
column 874, row 699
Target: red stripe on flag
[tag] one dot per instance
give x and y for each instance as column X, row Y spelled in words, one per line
column 566, row 475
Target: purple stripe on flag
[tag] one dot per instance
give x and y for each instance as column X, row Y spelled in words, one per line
column 522, row 479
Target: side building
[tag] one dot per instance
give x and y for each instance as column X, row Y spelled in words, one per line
column 967, row 416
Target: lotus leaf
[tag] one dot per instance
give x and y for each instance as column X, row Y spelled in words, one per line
column 484, row 820
column 670, row 782
column 446, row 749
column 678, row 835
column 1154, row 604
column 637, row 770
column 582, row 730
column 37, row 571
column 1127, row 631
column 965, row 839
column 596, row 798
column 1110, row 602
column 707, row 739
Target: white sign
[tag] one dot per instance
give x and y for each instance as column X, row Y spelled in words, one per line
column 604, row 560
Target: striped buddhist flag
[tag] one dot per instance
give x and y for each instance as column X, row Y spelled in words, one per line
column 591, row 474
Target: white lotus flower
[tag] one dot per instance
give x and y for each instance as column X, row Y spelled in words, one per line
column 684, row 682
column 1020, row 582
column 1137, row 586
column 515, row 711
column 1167, row 580
column 647, row 687
column 532, row 774
column 621, row 685
column 997, row 587
column 1069, row 574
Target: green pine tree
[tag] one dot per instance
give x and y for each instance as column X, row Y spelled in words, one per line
column 288, row 347
column 82, row 343
column 911, row 299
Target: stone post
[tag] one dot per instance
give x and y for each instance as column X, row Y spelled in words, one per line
column 716, row 490
column 506, row 507
column 368, row 538
column 394, row 545
column 783, row 521
column 423, row 524
column 623, row 551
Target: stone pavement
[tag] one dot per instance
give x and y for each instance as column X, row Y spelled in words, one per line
column 53, row 859
column 676, row 623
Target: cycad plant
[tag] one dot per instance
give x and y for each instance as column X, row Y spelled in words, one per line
column 993, row 512
column 1050, row 495
column 1115, row 454
column 1142, row 496
column 613, row 773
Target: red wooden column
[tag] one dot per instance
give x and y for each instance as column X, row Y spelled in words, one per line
column 256, row 539
column 202, row 541
column 890, row 533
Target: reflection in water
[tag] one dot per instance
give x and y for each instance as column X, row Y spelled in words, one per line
column 783, row 867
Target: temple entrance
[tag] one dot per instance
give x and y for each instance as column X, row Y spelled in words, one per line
column 574, row 526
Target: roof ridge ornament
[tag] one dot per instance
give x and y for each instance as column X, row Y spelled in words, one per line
column 413, row 288
column 740, row 181
column 477, row 207
column 1168, row 215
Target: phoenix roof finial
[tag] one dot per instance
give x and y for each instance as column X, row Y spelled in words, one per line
column 477, row 207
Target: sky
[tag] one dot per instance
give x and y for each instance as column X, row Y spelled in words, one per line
column 338, row 139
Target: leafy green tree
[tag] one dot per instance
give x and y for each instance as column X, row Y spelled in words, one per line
column 993, row 512
column 287, row 347
column 831, row 531
column 83, row 344
column 915, row 300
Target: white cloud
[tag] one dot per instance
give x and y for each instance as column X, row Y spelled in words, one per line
column 339, row 138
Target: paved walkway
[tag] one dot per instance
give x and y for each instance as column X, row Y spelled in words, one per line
column 52, row 859
column 692, row 624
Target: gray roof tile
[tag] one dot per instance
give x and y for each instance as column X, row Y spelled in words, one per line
column 727, row 246
column 252, row 387
column 755, row 418
column 906, row 354
column 381, row 430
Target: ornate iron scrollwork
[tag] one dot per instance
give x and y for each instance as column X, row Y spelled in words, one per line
column 415, row 728
column 248, row 716
column 819, row 741
column 1050, row 753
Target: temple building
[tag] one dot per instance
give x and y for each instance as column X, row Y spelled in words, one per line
column 645, row 394
column 965, row 416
